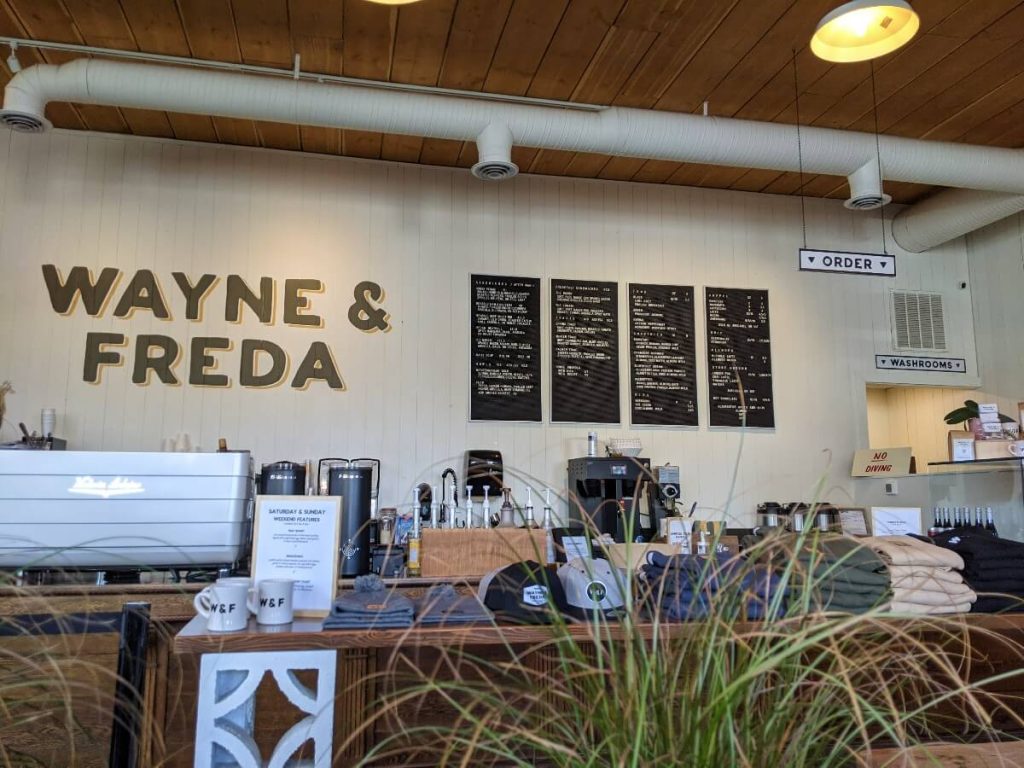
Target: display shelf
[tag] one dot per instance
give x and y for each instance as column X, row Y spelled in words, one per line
column 1008, row 460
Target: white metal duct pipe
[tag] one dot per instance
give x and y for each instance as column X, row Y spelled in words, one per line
column 613, row 131
column 951, row 214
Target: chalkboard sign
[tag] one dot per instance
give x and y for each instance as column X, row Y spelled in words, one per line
column 584, row 351
column 739, row 344
column 504, row 348
column 662, row 355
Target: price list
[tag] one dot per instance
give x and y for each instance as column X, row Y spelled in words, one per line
column 584, row 351
column 739, row 357
column 505, row 348
column 662, row 355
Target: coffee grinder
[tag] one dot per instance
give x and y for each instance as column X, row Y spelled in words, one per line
column 353, row 480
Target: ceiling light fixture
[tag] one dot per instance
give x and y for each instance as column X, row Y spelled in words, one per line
column 864, row 29
column 394, row 2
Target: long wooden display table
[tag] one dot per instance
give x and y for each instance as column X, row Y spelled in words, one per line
column 31, row 626
column 341, row 667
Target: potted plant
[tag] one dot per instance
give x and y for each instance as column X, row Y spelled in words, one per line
column 968, row 416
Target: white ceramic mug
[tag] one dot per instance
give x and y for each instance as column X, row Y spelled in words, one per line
column 1016, row 448
column 272, row 601
column 225, row 604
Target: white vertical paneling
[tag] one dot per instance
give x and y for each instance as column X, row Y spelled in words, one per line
column 81, row 199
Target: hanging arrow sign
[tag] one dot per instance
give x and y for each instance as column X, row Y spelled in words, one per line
column 880, row 264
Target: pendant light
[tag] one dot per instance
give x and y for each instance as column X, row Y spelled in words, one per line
column 864, row 29
column 394, row 2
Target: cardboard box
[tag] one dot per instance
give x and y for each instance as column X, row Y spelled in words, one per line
column 447, row 554
column 992, row 449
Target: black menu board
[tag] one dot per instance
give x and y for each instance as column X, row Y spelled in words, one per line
column 662, row 355
column 739, row 342
column 584, row 351
column 504, row 348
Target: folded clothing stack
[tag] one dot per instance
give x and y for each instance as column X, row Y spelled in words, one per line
column 991, row 565
column 926, row 579
column 686, row 587
column 370, row 605
column 441, row 605
column 838, row 573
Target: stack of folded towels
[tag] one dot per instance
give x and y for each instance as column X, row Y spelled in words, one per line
column 685, row 587
column 991, row 565
column 370, row 605
column 926, row 579
column 441, row 605
column 836, row 573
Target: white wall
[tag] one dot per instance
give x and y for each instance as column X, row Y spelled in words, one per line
column 997, row 276
column 97, row 200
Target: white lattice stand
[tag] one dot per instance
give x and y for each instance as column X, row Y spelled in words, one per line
column 227, row 707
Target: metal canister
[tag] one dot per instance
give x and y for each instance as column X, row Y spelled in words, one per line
column 283, row 478
column 354, row 485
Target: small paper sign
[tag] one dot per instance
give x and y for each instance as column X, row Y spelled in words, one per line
column 881, row 462
column 297, row 537
column 896, row 521
column 853, row 522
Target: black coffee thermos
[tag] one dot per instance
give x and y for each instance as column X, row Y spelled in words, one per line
column 353, row 484
column 283, row 478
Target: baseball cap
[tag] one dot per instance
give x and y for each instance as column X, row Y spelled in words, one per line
column 592, row 585
column 524, row 592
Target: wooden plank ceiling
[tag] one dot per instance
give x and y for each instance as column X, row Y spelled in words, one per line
column 961, row 79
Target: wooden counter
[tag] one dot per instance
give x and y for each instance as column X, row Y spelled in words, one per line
column 178, row 640
column 308, row 634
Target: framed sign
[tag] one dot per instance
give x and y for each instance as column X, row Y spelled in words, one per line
column 895, row 521
column 504, row 321
column 584, row 352
column 854, row 521
column 739, row 351
column 297, row 537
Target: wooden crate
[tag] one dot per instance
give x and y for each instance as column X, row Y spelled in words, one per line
column 447, row 554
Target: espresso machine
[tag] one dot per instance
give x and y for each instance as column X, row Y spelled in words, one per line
column 357, row 482
column 597, row 485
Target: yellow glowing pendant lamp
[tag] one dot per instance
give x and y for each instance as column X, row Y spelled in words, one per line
column 864, row 29
column 394, row 2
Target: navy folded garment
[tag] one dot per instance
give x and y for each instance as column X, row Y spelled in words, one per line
column 442, row 605
column 686, row 587
column 370, row 605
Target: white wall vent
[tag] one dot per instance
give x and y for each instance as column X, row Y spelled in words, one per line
column 918, row 322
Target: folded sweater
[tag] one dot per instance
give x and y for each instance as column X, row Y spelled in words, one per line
column 933, row 597
column 441, row 604
column 928, row 610
column 370, row 605
column 941, row 574
column 906, row 550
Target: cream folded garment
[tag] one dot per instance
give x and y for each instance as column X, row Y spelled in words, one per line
column 906, row 550
column 928, row 610
column 941, row 574
column 934, row 597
